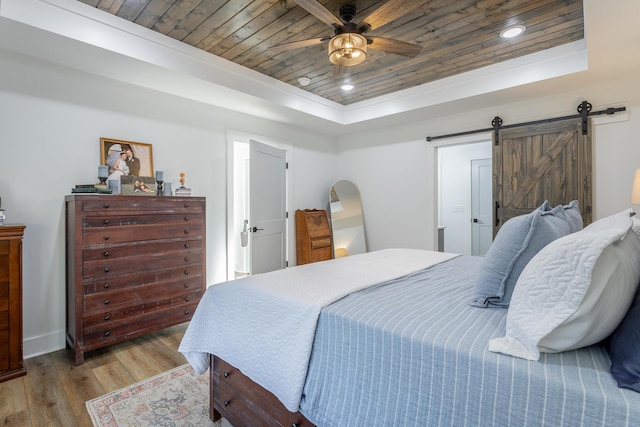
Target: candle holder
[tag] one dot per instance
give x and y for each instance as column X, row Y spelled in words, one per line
column 159, row 181
column 103, row 173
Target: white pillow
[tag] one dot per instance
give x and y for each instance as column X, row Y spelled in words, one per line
column 575, row 291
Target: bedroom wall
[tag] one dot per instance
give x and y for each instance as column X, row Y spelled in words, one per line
column 51, row 121
column 395, row 168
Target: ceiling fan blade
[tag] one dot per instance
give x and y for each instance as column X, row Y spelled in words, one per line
column 395, row 46
column 320, row 12
column 391, row 10
column 297, row 45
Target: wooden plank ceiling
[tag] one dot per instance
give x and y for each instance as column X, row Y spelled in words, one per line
column 455, row 35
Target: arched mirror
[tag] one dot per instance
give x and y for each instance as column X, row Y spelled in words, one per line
column 347, row 223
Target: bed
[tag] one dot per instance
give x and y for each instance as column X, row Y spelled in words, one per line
column 398, row 346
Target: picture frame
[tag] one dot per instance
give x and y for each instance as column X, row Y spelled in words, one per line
column 138, row 185
column 109, row 155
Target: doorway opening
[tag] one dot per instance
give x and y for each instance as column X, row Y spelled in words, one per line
column 465, row 196
column 257, row 224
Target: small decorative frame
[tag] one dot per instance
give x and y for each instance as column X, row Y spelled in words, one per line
column 138, row 185
column 110, row 149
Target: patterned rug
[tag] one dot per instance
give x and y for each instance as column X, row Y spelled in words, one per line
column 178, row 397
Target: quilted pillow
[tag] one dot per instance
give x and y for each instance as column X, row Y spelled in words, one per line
column 517, row 241
column 575, row 291
column 624, row 348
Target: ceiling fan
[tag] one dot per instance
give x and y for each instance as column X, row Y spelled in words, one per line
column 348, row 45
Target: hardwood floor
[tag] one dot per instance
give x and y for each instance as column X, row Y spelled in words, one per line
column 54, row 392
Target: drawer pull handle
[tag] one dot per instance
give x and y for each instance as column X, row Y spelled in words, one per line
column 106, row 334
column 106, row 269
column 295, row 425
column 226, row 374
column 106, row 301
column 186, row 298
column 106, row 205
column 106, row 286
column 187, row 231
column 186, row 272
column 106, row 237
column 186, row 285
column 107, row 253
column 186, row 218
column 186, row 205
column 186, row 245
column 226, row 403
column 106, row 222
column 107, row 317
column 186, row 259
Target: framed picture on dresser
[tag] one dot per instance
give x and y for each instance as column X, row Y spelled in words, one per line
column 126, row 158
column 138, row 185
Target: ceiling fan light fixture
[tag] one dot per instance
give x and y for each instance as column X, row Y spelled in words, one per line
column 347, row 49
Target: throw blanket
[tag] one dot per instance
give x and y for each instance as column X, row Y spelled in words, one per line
column 265, row 324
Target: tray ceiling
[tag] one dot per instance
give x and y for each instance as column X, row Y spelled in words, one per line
column 456, row 37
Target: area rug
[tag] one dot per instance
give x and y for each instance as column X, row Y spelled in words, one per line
column 178, row 397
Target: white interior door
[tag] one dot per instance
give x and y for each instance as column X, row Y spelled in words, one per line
column 267, row 207
column 481, row 212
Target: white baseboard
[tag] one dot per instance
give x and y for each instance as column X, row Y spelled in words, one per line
column 43, row 344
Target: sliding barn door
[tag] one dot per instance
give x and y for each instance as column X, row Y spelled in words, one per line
column 534, row 163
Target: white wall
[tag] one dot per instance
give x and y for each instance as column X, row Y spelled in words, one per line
column 51, row 121
column 396, row 169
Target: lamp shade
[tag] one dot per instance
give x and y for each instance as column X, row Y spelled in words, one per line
column 635, row 190
column 347, row 49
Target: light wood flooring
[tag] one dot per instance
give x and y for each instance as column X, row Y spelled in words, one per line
column 54, row 392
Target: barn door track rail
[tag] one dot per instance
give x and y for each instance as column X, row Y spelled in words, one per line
column 584, row 112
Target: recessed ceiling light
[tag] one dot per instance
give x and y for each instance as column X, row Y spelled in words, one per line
column 512, row 32
column 346, row 87
column 304, row 81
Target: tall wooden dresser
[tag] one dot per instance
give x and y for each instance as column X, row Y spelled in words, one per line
column 313, row 236
column 135, row 265
column 11, row 363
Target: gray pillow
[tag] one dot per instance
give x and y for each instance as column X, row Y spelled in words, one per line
column 572, row 213
column 517, row 241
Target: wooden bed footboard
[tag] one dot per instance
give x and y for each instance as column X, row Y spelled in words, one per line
column 242, row 402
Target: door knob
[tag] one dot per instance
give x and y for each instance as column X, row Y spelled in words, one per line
column 475, row 220
column 254, row 229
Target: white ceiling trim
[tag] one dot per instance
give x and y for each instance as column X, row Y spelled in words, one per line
column 118, row 49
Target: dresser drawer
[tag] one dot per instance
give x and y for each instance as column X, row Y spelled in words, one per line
column 108, row 205
column 113, row 316
column 137, row 325
column 98, row 220
column 149, row 294
column 112, row 235
column 109, row 252
column 113, row 267
column 190, row 276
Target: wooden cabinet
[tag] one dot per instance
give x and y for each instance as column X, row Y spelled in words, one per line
column 313, row 236
column 11, row 363
column 135, row 265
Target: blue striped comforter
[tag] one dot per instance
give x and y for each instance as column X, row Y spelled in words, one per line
column 412, row 352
